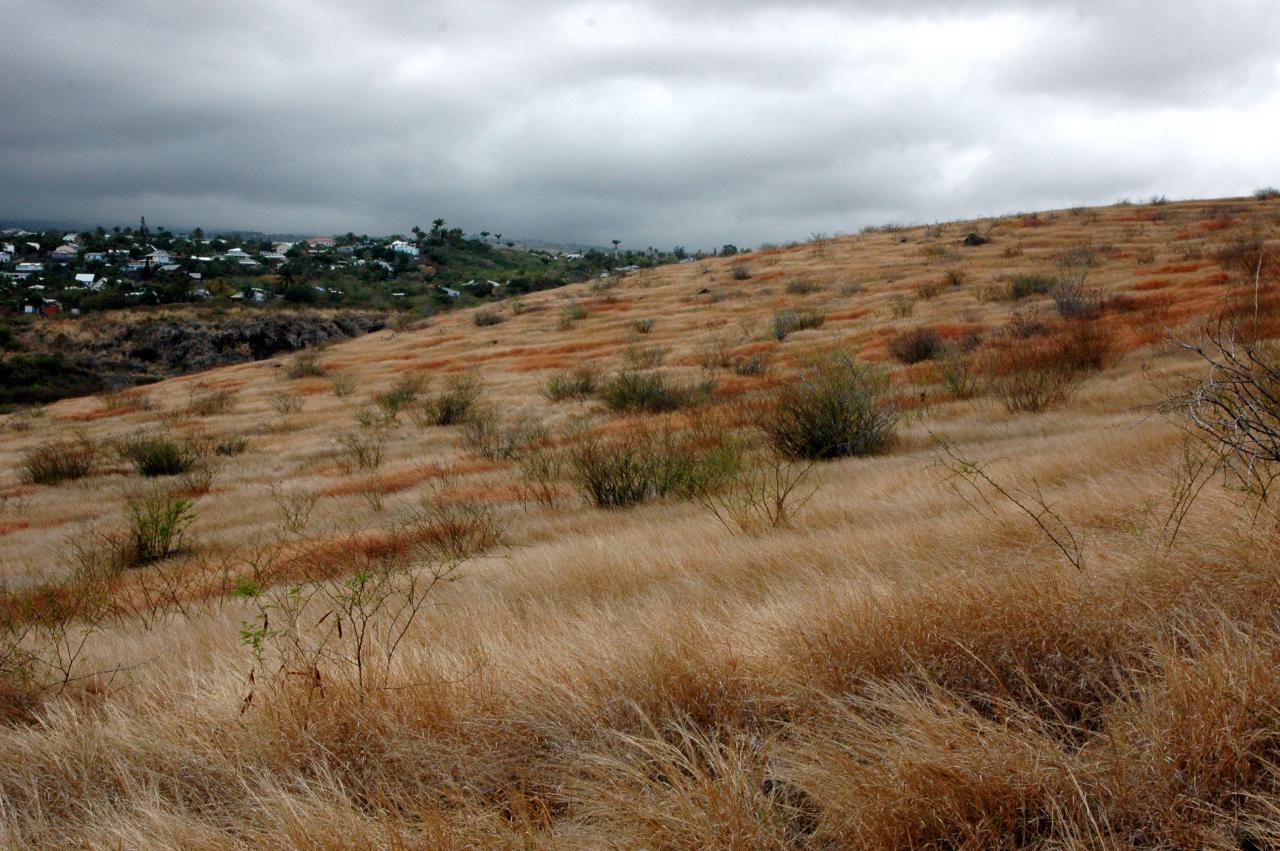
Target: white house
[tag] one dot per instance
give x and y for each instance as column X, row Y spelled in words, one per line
column 451, row 292
column 5, row 256
column 29, row 267
column 85, row 279
column 159, row 257
column 403, row 247
column 95, row 257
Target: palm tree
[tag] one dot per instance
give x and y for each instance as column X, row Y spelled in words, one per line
column 616, row 243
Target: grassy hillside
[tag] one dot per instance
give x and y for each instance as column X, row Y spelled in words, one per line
column 378, row 603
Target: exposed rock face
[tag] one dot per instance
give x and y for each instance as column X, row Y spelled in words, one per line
column 190, row 345
column 62, row 358
column 975, row 239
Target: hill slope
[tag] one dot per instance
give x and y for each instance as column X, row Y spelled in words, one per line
column 984, row 635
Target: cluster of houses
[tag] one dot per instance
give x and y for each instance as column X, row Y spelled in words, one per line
column 37, row 270
column 32, row 271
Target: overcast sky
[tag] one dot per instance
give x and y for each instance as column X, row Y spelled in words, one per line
column 656, row 123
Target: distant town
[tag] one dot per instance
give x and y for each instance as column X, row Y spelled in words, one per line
column 50, row 272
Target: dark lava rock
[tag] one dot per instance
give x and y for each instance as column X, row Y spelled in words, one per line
column 975, row 239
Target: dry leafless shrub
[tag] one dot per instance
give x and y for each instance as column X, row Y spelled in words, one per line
column 980, row 490
column 286, row 404
column 542, row 468
column 765, row 492
column 294, row 506
column 1235, row 407
column 361, row 450
column 493, row 438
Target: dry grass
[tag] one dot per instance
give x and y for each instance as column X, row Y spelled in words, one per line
column 896, row 670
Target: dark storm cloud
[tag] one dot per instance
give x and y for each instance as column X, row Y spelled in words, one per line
column 655, row 122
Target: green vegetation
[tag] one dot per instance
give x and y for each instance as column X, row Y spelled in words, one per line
column 57, row 461
column 835, row 407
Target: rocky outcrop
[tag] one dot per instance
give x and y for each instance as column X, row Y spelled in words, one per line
column 127, row 348
column 190, row 345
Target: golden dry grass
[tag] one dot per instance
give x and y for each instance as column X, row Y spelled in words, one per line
column 897, row 670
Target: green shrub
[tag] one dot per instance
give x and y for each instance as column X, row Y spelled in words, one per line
column 918, row 344
column 643, row 325
column 487, row 316
column 901, row 306
column 643, row 464
column 454, row 405
column 157, row 522
column 1024, row 286
column 644, row 357
column 344, row 384
column 959, row 376
column 305, row 365
column 634, row 390
column 57, row 461
column 788, row 321
column 571, row 314
column 835, row 407
column 160, row 455
column 756, row 363
column 401, row 394
column 575, row 384
column 802, row 286
column 208, row 401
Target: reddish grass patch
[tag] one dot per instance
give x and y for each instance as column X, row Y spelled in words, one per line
column 1213, row 225
column 541, row 363
column 620, row 304
column 852, row 313
column 1180, row 268
column 100, row 414
column 400, row 480
column 1217, row 279
column 735, row 386
column 1152, row 284
column 958, row 330
column 312, row 386
column 492, row 493
column 13, row 526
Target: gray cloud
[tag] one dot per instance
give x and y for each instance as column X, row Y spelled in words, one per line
column 656, row 122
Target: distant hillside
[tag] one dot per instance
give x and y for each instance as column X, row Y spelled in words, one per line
column 960, row 536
